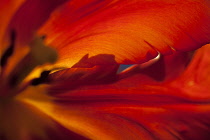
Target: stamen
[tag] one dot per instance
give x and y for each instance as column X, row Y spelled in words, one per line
column 43, row 78
column 9, row 50
column 39, row 54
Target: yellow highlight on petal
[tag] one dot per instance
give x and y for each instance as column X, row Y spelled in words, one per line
column 69, row 117
column 21, row 120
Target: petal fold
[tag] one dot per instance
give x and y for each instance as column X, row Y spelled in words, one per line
column 99, row 69
column 165, row 68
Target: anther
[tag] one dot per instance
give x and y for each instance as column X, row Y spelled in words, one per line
column 9, row 50
column 42, row 79
column 43, row 37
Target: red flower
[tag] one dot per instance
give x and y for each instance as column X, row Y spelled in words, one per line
column 80, row 94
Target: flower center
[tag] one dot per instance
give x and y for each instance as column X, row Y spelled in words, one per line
column 39, row 54
column 17, row 90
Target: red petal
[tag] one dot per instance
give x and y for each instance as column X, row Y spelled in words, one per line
column 129, row 109
column 195, row 81
column 133, row 31
column 30, row 16
column 147, row 113
column 8, row 8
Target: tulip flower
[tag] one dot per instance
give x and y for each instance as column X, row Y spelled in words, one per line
column 60, row 76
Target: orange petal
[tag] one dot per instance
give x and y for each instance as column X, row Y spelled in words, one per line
column 133, row 31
